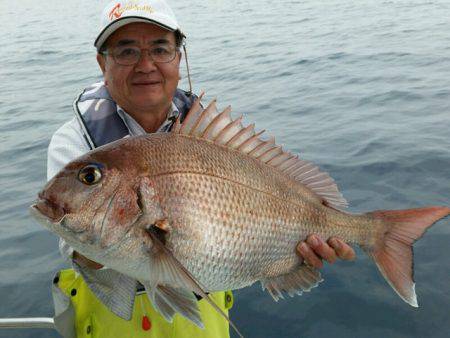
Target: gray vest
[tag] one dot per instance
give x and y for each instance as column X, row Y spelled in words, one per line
column 98, row 115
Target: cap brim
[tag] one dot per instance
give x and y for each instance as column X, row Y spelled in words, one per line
column 116, row 24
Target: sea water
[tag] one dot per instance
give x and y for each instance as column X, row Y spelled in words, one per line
column 362, row 88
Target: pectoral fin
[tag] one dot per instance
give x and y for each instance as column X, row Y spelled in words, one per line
column 303, row 279
column 166, row 269
column 158, row 302
column 168, row 301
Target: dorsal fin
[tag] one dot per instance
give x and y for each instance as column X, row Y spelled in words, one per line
column 220, row 128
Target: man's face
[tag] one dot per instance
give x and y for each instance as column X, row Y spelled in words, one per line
column 145, row 86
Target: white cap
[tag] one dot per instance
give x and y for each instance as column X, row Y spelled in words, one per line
column 120, row 13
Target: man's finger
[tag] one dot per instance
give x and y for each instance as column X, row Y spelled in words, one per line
column 343, row 250
column 321, row 249
column 309, row 256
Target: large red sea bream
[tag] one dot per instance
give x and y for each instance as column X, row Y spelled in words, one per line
column 212, row 206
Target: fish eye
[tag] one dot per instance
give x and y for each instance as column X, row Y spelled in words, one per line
column 90, row 174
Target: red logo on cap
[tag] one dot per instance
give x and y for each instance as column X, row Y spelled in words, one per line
column 115, row 13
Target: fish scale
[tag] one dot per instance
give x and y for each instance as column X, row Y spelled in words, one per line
column 213, row 206
column 264, row 221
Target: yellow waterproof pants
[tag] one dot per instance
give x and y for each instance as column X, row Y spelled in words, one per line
column 94, row 320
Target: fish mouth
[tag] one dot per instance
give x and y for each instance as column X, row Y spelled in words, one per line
column 47, row 212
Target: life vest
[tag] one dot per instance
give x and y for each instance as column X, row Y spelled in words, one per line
column 78, row 310
column 97, row 114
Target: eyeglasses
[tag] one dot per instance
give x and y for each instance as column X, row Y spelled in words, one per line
column 130, row 55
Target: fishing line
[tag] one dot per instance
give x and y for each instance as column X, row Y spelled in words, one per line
column 187, row 67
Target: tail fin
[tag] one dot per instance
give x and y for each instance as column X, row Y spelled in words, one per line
column 394, row 253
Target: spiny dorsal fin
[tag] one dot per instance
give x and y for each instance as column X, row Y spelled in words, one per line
column 190, row 119
column 221, row 129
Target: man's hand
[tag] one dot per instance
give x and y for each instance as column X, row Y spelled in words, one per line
column 314, row 250
column 85, row 262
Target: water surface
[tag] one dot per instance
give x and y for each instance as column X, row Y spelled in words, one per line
column 362, row 88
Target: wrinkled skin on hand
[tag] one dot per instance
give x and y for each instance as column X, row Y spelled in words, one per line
column 315, row 249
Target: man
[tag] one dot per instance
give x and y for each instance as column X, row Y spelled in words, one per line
column 139, row 56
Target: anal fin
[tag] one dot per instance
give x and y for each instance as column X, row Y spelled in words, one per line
column 296, row 282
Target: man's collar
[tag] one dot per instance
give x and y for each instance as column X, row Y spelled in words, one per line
column 170, row 119
column 134, row 128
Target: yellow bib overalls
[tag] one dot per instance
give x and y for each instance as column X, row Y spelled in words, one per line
column 94, row 320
